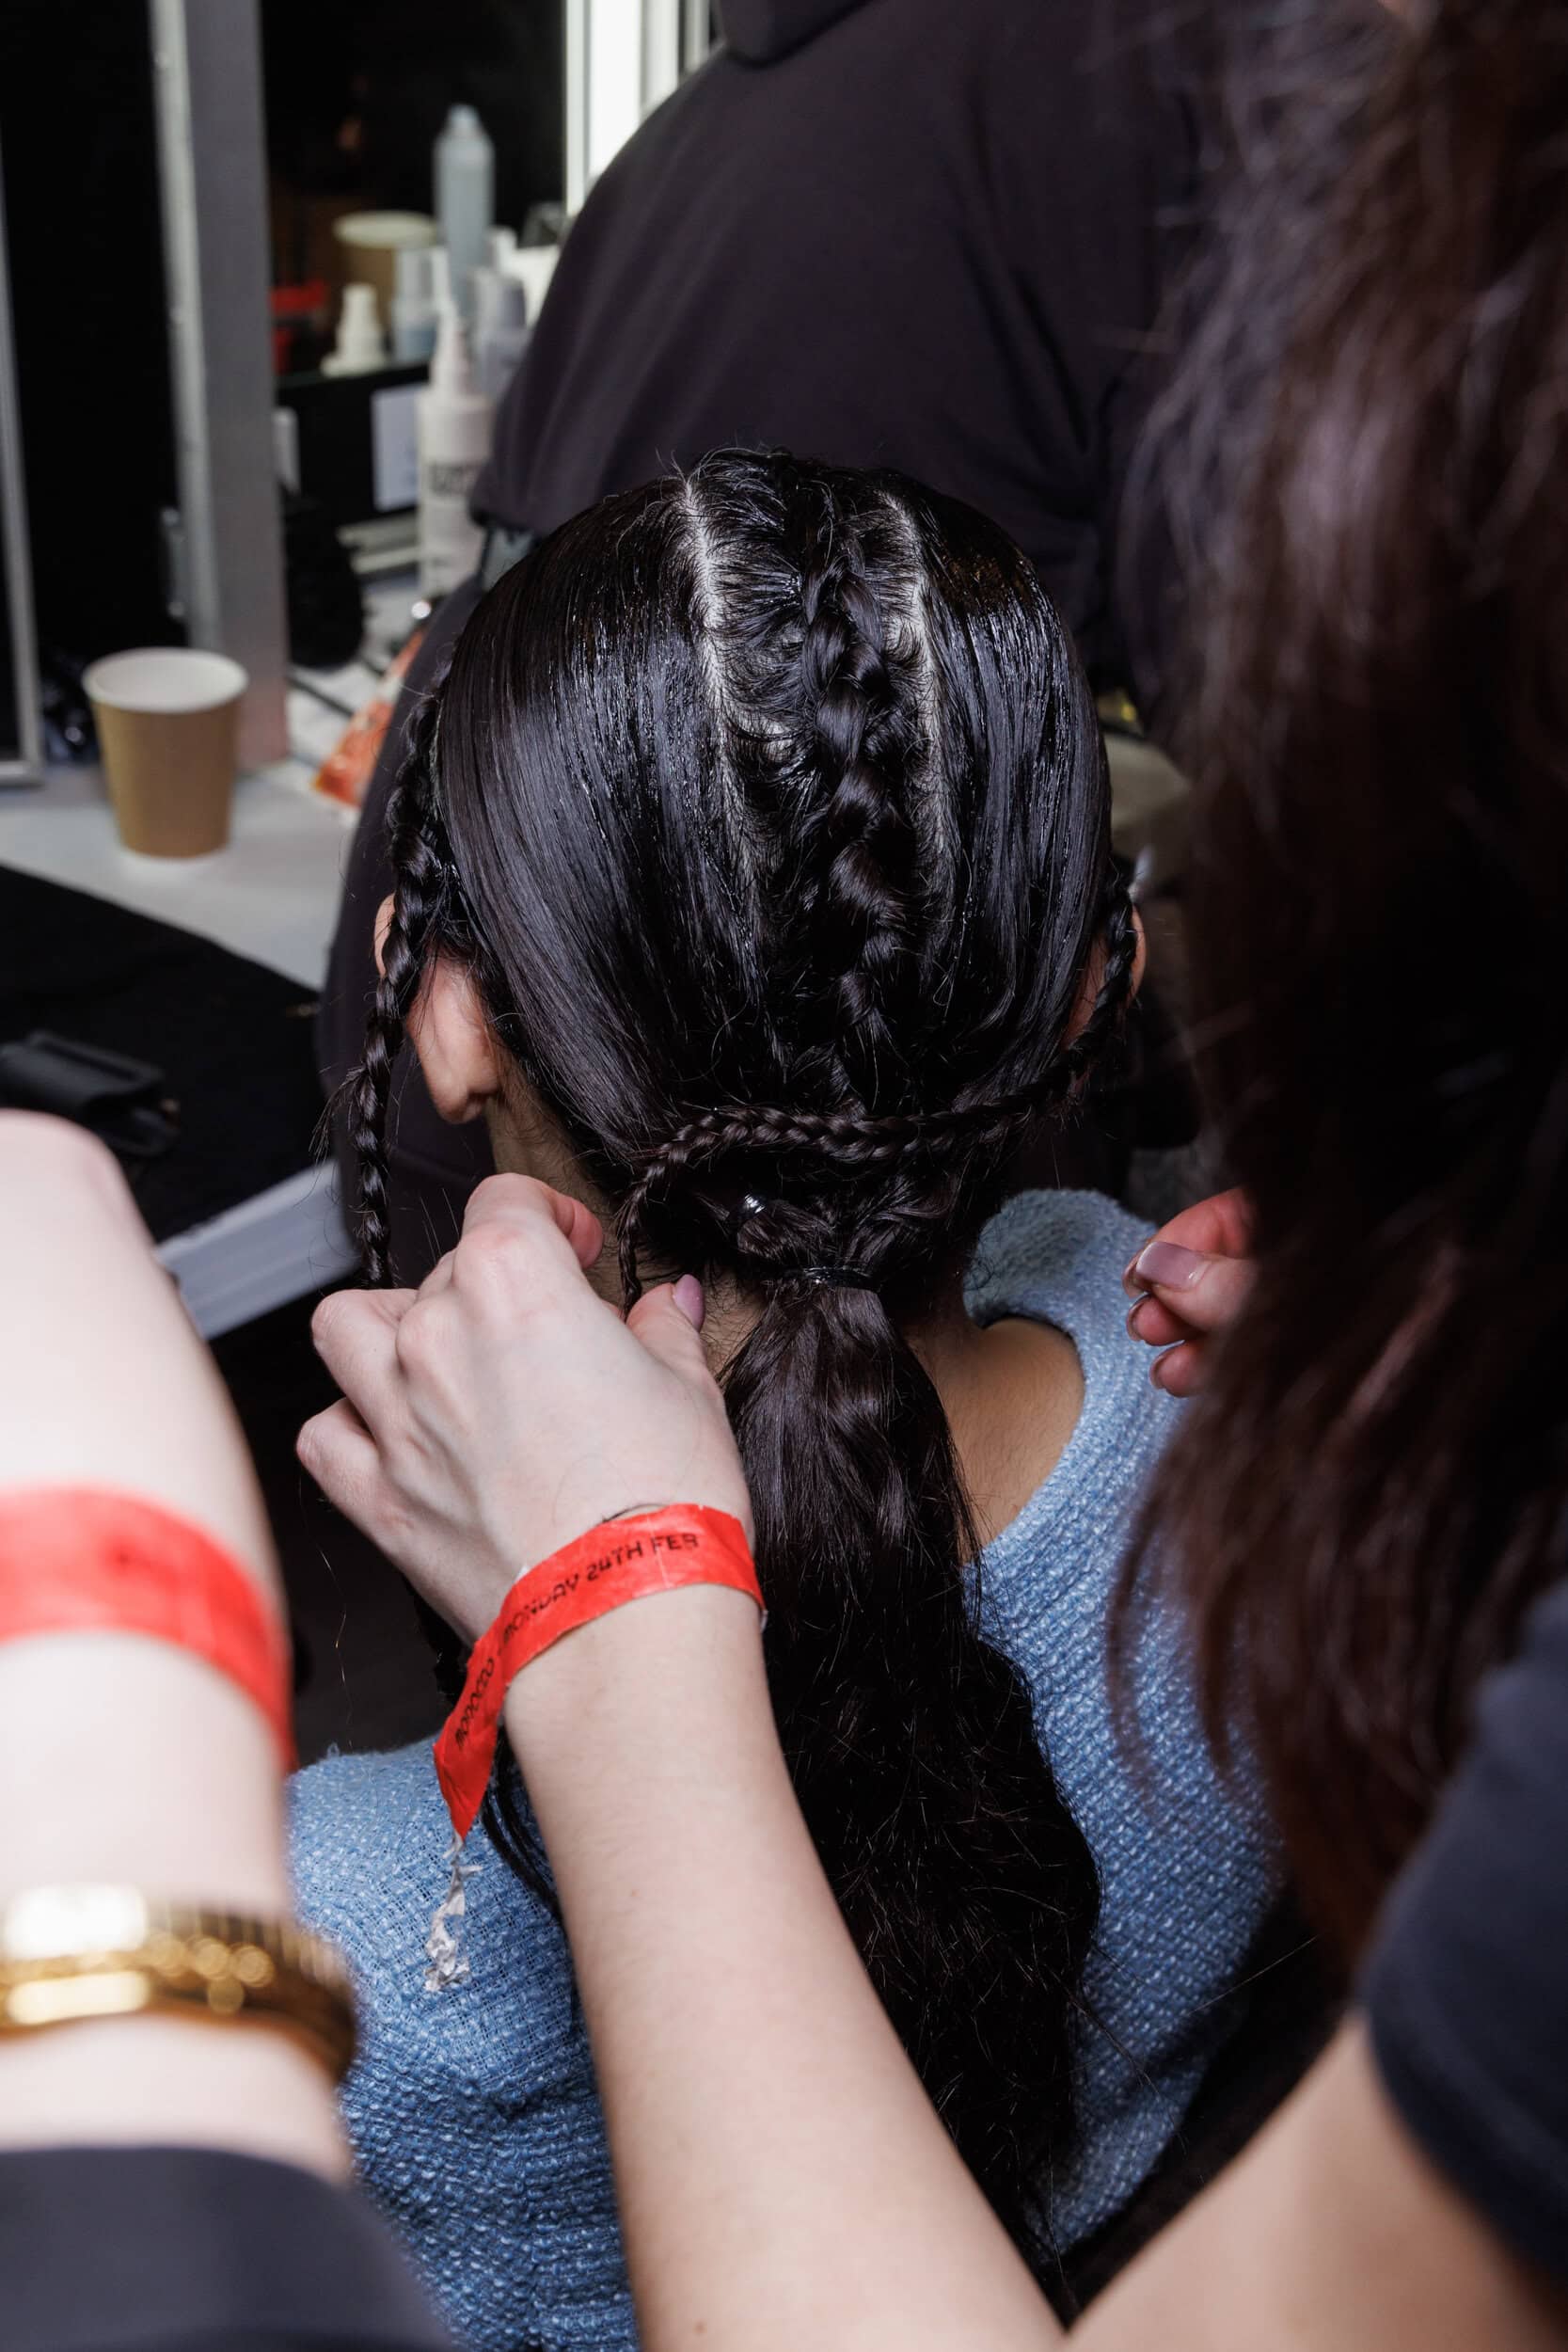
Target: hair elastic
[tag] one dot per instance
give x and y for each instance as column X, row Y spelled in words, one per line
column 830, row 1278
column 89, row 1559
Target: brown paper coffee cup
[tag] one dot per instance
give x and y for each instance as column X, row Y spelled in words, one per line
column 168, row 724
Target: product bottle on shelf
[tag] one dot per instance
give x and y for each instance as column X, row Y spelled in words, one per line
column 414, row 311
column 464, row 168
column 360, row 345
column 501, row 331
column 454, row 427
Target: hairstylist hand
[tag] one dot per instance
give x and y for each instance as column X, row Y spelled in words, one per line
column 1189, row 1283
column 504, row 1409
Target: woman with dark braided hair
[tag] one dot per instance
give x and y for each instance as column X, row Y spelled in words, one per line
column 753, row 879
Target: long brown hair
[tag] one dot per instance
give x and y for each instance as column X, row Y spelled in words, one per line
column 1370, row 436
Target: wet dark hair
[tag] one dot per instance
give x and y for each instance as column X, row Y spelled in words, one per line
column 769, row 808
column 1368, row 445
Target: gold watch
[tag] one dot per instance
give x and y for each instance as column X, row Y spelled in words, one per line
column 73, row 1953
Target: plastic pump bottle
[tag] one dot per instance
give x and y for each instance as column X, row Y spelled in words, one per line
column 465, row 200
column 360, row 345
column 415, row 315
column 453, row 426
column 502, row 331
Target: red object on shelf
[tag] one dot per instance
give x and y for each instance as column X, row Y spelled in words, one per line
column 306, row 307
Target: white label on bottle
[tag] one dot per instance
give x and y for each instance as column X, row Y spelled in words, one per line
column 450, row 543
column 394, row 447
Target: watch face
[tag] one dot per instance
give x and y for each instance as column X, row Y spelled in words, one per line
column 47, row 1922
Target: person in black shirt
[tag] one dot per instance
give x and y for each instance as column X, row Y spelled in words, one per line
column 1465, row 1989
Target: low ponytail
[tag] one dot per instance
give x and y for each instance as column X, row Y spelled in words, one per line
column 969, row 1890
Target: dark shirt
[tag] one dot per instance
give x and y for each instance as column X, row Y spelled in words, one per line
column 1468, row 1986
column 928, row 234
column 182, row 2250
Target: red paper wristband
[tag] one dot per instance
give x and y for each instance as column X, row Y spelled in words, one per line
column 619, row 1560
column 87, row 1560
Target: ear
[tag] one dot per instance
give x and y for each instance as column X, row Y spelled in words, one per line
column 1140, row 957
column 1089, row 986
column 450, row 1035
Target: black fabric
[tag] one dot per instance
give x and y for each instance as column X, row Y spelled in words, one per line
column 761, row 30
column 1467, row 1989
column 233, row 1039
column 179, row 2250
column 931, row 236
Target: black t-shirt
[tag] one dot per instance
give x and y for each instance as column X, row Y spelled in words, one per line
column 183, row 2250
column 1467, row 1985
column 926, row 235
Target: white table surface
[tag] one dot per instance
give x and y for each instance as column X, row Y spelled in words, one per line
column 271, row 894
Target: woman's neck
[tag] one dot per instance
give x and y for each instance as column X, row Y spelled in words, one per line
column 1012, row 1392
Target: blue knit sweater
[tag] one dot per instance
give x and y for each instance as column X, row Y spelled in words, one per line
column 474, row 2111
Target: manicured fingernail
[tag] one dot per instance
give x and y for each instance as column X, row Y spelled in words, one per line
column 1130, row 1281
column 689, row 1300
column 1165, row 1266
column 1132, row 1330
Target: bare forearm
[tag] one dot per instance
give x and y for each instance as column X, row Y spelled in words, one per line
column 121, row 1760
column 1332, row 2233
column 782, row 2178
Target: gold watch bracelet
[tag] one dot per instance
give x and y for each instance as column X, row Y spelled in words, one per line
column 70, row 1953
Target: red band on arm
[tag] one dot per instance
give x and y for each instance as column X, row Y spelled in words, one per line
column 622, row 1560
column 87, row 1560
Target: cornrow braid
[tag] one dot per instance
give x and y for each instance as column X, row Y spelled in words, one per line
column 854, row 849
column 422, row 895
column 851, row 1141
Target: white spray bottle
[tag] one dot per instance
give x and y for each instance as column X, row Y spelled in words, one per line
column 500, row 331
column 454, row 425
column 465, row 200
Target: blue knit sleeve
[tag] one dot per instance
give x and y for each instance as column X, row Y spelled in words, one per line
column 473, row 2112
column 1187, row 1860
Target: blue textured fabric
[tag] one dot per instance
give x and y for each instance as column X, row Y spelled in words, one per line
column 474, row 2111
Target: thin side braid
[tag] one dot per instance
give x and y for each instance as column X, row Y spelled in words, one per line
column 421, row 889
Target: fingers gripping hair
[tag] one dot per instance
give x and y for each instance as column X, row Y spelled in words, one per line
column 421, row 891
